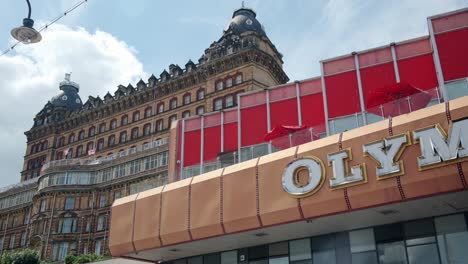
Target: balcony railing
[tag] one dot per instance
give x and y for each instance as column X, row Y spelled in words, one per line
column 391, row 109
column 96, row 161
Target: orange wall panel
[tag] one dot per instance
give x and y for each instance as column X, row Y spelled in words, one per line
column 147, row 219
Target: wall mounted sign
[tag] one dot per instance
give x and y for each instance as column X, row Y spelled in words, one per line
column 305, row 176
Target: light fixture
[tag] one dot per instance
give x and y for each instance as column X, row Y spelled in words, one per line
column 26, row 33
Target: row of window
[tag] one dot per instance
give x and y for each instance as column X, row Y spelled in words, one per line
column 61, row 249
column 16, row 199
column 226, row 101
column 16, row 221
column 38, row 147
column 11, row 243
column 228, row 82
column 439, row 240
column 107, row 174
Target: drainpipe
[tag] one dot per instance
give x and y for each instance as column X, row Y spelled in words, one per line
column 50, row 224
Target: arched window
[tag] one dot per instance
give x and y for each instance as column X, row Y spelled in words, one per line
column 60, row 143
column 79, row 150
column 229, row 82
column 91, row 131
column 33, row 149
column 89, row 146
column 111, row 141
column 109, row 154
column 45, row 144
column 69, row 153
column 187, row 98
column 186, row 114
column 133, row 149
column 135, row 133
column 171, row 119
column 238, row 79
column 113, row 124
column 146, row 129
column 81, row 135
column 71, row 138
column 59, row 155
column 39, row 147
column 100, row 144
column 229, row 100
column 123, row 137
column 200, row 110
column 148, row 111
column 102, row 128
column 159, row 125
column 219, row 85
column 218, row 104
column 160, row 108
column 173, row 103
column 136, row 116
column 124, row 120
column 201, row 94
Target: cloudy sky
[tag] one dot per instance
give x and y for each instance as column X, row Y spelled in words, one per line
column 106, row 43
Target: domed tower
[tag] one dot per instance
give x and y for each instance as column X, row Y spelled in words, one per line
column 61, row 105
column 244, row 39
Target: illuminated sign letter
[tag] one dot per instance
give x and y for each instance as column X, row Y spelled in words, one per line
column 303, row 177
column 436, row 146
column 341, row 176
column 386, row 152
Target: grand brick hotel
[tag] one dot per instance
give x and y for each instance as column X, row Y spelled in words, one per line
column 226, row 161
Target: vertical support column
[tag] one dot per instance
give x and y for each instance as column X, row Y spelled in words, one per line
column 361, row 94
column 298, row 101
column 324, row 96
column 222, row 131
column 395, row 62
column 438, row 67
column 202, row 141
column 182, row 151
column 267, row 95
column 239, row 137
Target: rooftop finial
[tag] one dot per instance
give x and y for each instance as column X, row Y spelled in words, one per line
column 242, row 4
column 67, row 76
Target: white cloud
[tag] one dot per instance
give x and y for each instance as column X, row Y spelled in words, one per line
column 28, row 79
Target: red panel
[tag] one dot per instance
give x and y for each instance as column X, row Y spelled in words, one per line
column 376, row 78
column 413, row 48
column 310, row 86
column 192, row 148
column 212, row 146
column 375, row 57
column 284, row 113
column 453, row 53
column 282, row 93
column 339, row 65
column 253, row 125
column 342, row 94
column 418, row 71
column 230, row 137
column 312, row 110
column 449, row 22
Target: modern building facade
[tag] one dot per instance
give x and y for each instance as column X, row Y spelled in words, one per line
column 81, row 155
column 375, row 172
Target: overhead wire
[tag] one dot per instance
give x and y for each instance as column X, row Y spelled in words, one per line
column 66, row 12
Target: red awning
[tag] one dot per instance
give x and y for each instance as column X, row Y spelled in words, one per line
column 281, row 131
column 393, row 100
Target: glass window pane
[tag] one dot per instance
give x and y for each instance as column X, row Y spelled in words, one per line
column 388, row 233
column 369, row 257
column 452, row 238
column 423, row 254
column 323, row 249
column 419, row 228
column 211, row 259
column 229, row 257
column 283, row 260
column 258, row 252
column 278, row 249
column 457, row 89
column 392, row 253
column 195, row 260
column 362, row 240
column 299, row 249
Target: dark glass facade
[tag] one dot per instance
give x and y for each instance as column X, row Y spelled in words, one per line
column 437, row 240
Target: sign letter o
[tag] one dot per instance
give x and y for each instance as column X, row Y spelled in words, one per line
column 303, row 177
